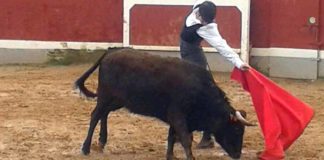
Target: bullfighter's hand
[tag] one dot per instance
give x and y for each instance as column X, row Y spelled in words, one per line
column 244, row 67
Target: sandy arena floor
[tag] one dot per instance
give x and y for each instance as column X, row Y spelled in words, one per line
column 41, row 118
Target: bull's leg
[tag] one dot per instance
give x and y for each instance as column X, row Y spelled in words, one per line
column 178, row 122
column 171, row 141
column 103, row 124
column 186, row 142
column 95, row 116
column 103, row 131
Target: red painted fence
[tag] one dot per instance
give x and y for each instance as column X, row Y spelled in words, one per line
column 274, row 23
column 62, row 20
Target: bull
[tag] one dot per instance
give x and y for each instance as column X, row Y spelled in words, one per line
column 179, row 93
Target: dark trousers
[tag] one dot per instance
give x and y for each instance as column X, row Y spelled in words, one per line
column 194, row 54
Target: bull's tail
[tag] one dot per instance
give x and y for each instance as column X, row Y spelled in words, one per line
column 79, row 84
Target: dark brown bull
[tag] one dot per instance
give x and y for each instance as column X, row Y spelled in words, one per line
column 179, row 93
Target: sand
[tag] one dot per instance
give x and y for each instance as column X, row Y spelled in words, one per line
column 42, row 118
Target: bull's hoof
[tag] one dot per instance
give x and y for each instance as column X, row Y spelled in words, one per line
column 205, row 144
column 85, row 151
column 101, row 145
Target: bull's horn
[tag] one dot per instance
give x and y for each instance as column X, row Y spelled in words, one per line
column 242, row 119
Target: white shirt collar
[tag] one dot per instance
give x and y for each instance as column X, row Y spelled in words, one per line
column 192, row 19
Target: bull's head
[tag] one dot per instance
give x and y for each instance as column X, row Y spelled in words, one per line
column 230, row 135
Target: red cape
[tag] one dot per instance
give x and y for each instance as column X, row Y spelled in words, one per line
column 282, row 117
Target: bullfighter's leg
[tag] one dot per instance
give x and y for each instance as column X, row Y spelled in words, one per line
column 206, row 141
column 97, row 114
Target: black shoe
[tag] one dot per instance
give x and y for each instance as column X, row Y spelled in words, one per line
column 205, row 143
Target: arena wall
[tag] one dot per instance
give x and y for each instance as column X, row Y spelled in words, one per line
column 284, row 37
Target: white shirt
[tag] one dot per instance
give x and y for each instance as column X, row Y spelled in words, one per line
column 211, row 34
